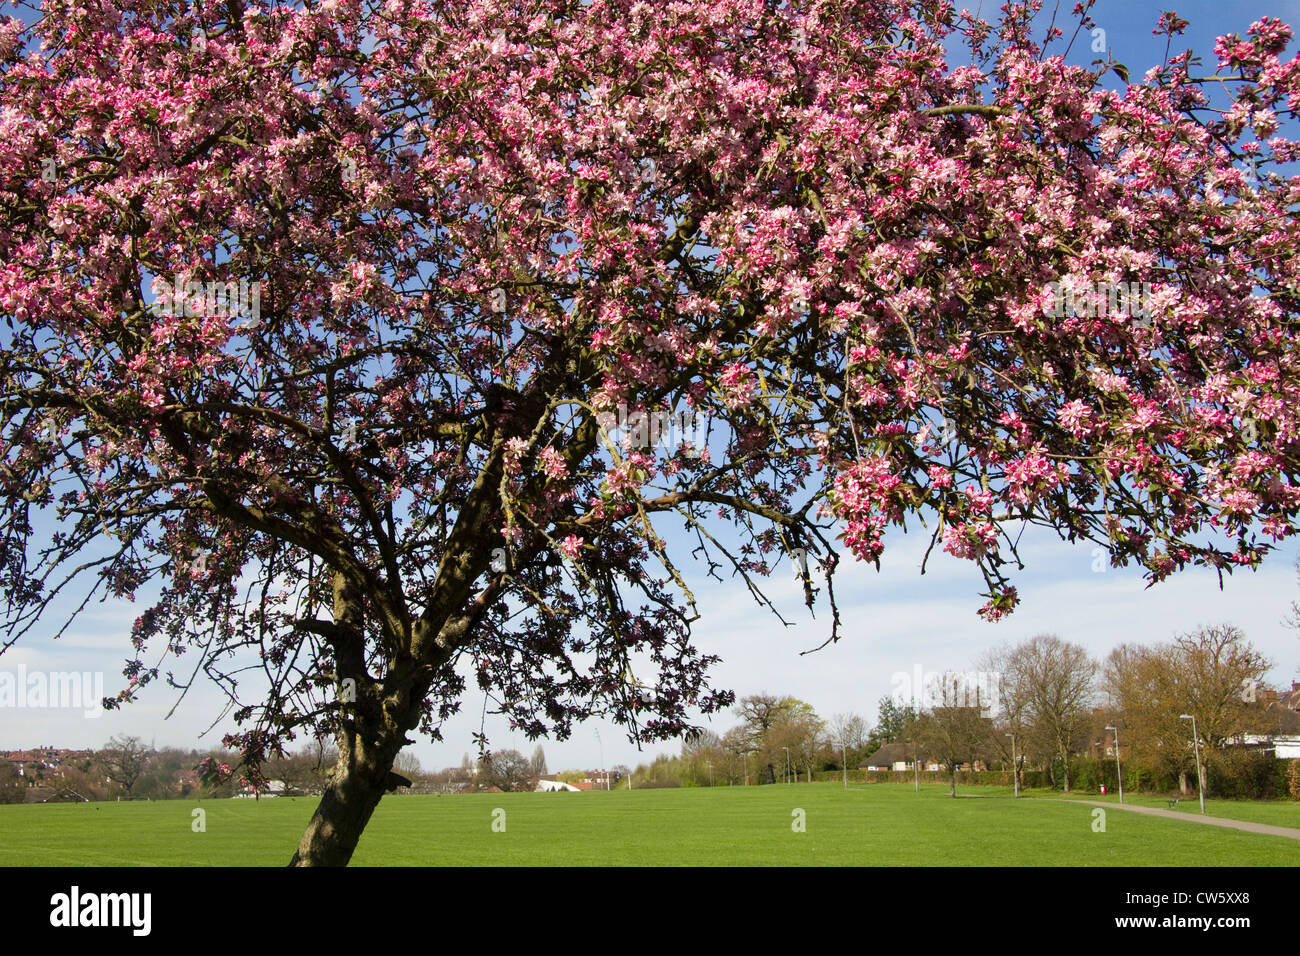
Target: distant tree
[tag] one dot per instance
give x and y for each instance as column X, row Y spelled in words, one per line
column 124, row 760
column 1211, row 672
column 1219, row 672
column 169, row 774
column 408, row 764
column 509, row 769
column 892, row 717
column 954, row 731
column 803, row 733
column 763, row 714
column 12, row 787
column 759, row 712
column 736, row 744
column 892, row 721
column 538, row 763
column 1050, row 684
column 703, row 758
column 849, row 735
column 296, row 771
column 75, row 781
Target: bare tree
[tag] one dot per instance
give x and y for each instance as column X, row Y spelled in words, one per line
column 849, row 734
column 1219, row 670
column 760, row 711
column 12, row 787
column 735, row 742
column 803, row 733
column 954, row 731
column 408, row 764
column 1211, row 672
column 1050, row 685
column 124, row 761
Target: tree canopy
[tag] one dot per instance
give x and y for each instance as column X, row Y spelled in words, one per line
column 382, row 338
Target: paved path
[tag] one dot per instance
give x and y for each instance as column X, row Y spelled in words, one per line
column 1289, row 832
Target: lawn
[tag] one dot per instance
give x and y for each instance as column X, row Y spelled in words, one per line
column 875, row 825
column 1278, row 813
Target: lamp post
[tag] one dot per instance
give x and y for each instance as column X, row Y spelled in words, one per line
column 787, row 765
column 1196, row 745
column 1119, row 770
column 1015, row 771
column 916, row 752
column 916, row 764
column 601, row 745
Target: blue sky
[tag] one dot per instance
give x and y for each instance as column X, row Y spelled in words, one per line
column 894, row 621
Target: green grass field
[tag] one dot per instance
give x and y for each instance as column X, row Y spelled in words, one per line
column 877, row 825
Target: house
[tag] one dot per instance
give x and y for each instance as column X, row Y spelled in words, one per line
column 43, row 758
column 890, row 757
column 274, row 788
column 1286, row 748
column 552, row 785
column 1284, row 705
column 591, row 780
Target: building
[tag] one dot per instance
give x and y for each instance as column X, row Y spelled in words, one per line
column 1286, row 748
column 892, row 757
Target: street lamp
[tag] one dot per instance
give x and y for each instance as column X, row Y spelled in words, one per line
column 787, row 764
column 1196, row 744
column 1015, row 772
column 602, row 760
column 916, row 763
column 1119, row 770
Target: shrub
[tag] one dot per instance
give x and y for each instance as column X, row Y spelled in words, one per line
column 1241, row 773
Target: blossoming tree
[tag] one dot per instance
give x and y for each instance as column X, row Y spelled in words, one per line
column 320, row 319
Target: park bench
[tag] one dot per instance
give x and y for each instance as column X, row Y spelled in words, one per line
column 1173, row 803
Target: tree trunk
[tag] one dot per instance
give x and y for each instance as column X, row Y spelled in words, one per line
column 344, row 810
column 952, row 783
column 373, row 723
column 1182, row 782
column 1065, row 771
